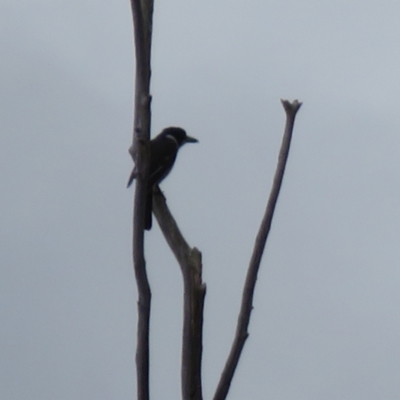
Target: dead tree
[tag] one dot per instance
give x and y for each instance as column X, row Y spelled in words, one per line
column 189, row 258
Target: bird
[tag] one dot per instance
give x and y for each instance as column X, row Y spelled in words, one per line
column 163, row 151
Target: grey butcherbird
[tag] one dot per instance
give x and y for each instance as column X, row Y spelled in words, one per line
column 163, row 151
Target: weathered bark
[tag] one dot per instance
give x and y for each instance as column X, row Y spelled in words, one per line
column 189, row 260
column 142, row 11
column 255, row 261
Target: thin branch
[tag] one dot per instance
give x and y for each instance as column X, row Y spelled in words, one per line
column 142, row 17
column 254, row 265
column 189, row 260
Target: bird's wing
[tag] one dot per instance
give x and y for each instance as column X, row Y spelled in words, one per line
column 162, row 158
column 160, row 171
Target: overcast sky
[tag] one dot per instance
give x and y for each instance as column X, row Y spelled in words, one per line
column 326, row 320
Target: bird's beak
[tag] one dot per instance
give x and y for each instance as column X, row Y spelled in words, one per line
column 190, row 140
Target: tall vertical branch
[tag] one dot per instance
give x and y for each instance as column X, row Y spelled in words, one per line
column 254, row 265
column 142, row 11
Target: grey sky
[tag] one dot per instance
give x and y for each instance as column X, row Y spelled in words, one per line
column 326, row 318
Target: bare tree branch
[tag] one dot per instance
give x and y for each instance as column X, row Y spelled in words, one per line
column 142, row 11
column 189, row 260
column 254, row 265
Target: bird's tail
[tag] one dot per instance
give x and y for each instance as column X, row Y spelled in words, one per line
column 149, row 209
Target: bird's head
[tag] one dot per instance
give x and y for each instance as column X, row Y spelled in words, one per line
column 179, row 135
